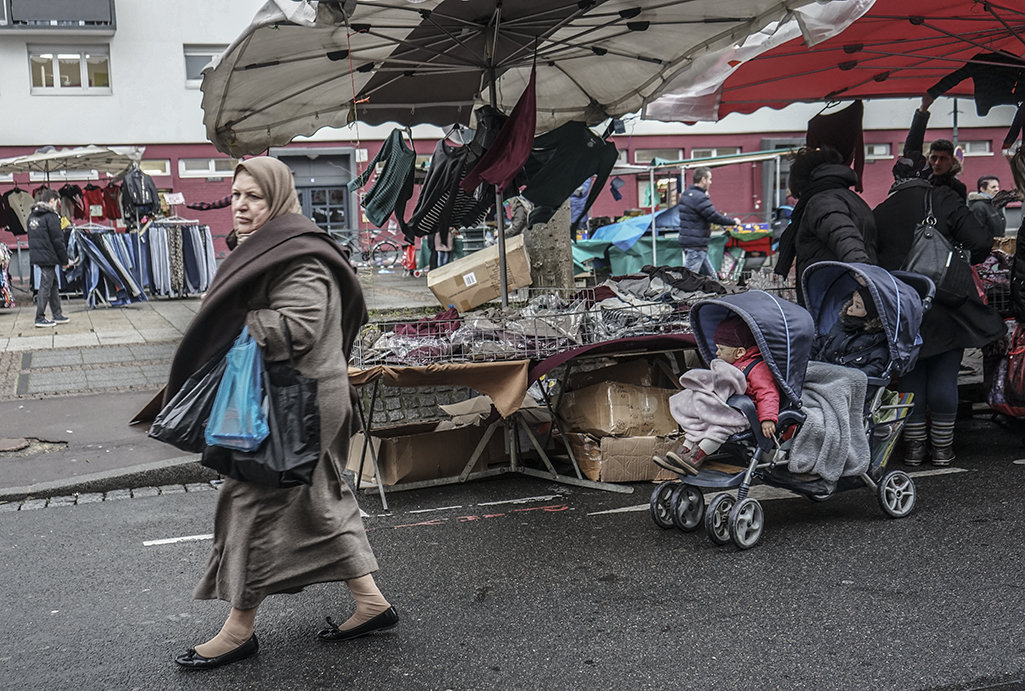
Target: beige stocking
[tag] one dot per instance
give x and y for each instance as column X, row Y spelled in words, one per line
column 369, row 601
column 236, row 630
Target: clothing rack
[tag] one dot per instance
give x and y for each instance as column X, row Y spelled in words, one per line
column 180, row 255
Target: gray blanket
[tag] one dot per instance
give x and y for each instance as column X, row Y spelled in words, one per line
column 832, row 443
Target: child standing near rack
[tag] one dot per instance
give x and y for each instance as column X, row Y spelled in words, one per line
column 444, row 244
column 701, row 409
column 47, row 250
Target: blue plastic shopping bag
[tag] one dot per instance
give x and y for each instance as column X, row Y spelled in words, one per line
column 238, row 420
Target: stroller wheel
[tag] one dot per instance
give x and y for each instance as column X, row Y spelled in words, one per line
column 687, row 508
column 897, row 494
column 660, row 506
column 746, row 522
column 717, row 518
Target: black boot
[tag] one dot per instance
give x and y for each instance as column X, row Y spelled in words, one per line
column 916, row 451
column 943, row 455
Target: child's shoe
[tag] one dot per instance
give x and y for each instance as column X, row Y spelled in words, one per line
column 684, row 462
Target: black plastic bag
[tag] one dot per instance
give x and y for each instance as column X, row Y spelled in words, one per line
column 289, row 454
column 182, row 422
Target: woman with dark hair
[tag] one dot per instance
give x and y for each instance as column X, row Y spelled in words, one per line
column 830, row 221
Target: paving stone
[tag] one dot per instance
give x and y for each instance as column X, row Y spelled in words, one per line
column 31, row 504
column 145, row 492
column 171, row 489
column 56, row 358
column 118, row 494
column 10, row 506
column 62, row 501
column 155, row 351
column 107, row 354
column 90, row 497
column 198, row 487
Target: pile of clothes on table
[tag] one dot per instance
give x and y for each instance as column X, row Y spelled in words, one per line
column 655, row 301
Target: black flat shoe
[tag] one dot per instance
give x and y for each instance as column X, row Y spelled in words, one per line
column 385, row 620
column 193, row 660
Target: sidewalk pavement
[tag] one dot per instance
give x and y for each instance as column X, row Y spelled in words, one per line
column 67, row 392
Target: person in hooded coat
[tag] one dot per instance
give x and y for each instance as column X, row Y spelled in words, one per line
column 290, row 283
column 857, row 339
column 946, row 331
column 830, row 221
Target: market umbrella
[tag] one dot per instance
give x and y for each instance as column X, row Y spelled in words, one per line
column 301, row 66
column 103, row 159
column 898, row 48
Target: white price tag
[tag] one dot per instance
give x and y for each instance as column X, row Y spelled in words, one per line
column 95, row 210
column 470, row 279
column 174, row 198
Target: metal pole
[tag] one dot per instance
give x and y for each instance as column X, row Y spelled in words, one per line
column 651, row 185
column 955, row 122
column 503, row 279
column 776, row 196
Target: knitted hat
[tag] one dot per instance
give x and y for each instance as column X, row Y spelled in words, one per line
column 732, row 332
column 870, row 306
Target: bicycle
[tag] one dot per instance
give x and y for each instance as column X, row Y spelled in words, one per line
column 369, row 248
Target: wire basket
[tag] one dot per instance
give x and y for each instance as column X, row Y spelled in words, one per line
column 542, row 324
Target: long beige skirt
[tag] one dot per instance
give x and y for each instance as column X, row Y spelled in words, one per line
column 269, row 540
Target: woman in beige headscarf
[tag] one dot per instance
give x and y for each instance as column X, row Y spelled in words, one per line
column 285, row 275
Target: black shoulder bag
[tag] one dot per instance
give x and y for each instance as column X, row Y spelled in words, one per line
column 289, row 454
column 934, row 256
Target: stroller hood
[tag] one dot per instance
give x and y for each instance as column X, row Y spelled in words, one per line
column 828, row 285
column 783, row 331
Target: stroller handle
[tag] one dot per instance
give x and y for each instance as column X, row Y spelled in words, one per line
column 923, row 285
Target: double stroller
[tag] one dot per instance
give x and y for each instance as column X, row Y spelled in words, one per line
column 785, row 333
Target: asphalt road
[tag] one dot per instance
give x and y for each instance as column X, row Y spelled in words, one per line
column 516, row 583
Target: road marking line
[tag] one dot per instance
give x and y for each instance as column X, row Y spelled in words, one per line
column 172, row 540
column 937, row 471
column 440, row 508
column 524, row 500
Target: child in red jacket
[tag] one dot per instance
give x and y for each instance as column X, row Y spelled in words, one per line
column 701, row 408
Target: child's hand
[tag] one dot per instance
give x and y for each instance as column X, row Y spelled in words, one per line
column 768, row 428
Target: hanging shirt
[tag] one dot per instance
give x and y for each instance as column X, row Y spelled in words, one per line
column 561, row 160
column 843, row 131
column 393, row 186
column 19, row 203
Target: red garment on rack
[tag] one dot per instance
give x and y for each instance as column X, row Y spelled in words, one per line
column 112, row 201
column 511, row 148
column 93, row 196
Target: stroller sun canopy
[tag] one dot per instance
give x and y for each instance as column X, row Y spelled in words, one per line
column 828, row 285
column 782, row 330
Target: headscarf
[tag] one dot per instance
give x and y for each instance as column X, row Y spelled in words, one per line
column 276, row 181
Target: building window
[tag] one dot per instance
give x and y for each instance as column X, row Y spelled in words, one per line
column 55, row 176
column 645, row 156
column 877, row 151
column 713, row 152
column 196, row 58
column 977, row 148
column 156, row 166
column 70, row 69
column 206, row 167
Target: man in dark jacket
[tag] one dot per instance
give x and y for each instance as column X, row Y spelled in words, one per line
column 983, row 207
column 694, row 215
column 938, row 164
column 47, row 251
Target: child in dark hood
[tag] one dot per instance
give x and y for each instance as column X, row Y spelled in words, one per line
column 857, row 339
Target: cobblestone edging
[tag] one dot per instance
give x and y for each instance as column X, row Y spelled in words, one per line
column 31, row 503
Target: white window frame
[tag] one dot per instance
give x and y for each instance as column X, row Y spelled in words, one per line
column 646, row 158
column 150, row 166
column 714, row 151
column 64, row 176
column 210, row 172
column 198, row 50
column 54, row 52
column 987, row 147
column 877, row 156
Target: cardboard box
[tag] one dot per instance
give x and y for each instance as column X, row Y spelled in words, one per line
column 638, row 372
column 473, row 280
column 618, row 409
column 410, row 453
column 621, row 459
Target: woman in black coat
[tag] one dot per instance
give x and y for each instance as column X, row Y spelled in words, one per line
column 946, row 331
column 830, row 221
